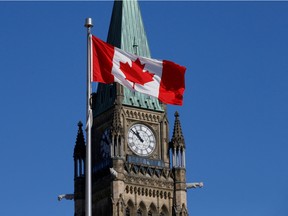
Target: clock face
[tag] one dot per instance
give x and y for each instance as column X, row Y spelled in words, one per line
column 141, row 140
column 105, row 144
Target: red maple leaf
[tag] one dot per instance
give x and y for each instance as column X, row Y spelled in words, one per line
column 135, row 73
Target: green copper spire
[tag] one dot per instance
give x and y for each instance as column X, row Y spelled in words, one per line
column 126, row 32
column 126, row 28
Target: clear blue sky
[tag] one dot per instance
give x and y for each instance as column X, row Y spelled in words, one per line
column 234, row 116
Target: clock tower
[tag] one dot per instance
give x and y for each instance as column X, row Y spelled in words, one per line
column 136, row 169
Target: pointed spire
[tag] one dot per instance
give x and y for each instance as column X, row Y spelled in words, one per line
column 126, row 31
column 177, row 137
column 126, row 28
column 80, row 148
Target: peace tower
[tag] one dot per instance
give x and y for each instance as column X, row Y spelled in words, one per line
column 136, row 168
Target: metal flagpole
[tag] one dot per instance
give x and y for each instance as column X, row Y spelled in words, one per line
column 88, row 189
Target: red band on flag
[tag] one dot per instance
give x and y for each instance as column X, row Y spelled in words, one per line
column 172, row 83
column 102, row 61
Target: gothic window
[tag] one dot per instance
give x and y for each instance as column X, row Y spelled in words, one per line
column 152, row 210
column 127, row 212
column 164, row 211
column 139, row 212
column 79, row 169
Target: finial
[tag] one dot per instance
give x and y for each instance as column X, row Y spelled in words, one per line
column 176, row 114
column 80, row 149
column 80, row 136
column 80, row 124
column 88, row 23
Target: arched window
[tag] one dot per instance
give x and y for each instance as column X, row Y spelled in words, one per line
column 127, row 211
column 164, row 211
column 152, row 210
column 139, row 212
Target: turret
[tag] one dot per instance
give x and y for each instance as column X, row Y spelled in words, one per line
column 79, row 172
column 177, row 144
column 131, row 173
column 177, row 147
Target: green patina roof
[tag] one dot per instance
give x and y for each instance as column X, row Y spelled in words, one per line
column 126, row 30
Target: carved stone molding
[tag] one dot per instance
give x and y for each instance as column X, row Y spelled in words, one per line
column 148, row 191
column 148, row 171
column 157, row 183
column 144, row 116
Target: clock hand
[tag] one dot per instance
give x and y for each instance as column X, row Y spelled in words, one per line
column 138, row 135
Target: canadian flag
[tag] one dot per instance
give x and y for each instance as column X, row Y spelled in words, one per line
column 158, row 78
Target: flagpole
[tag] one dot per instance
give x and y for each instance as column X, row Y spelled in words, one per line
column 88, row 188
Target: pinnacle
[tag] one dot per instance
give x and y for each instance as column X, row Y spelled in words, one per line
column 177, row 137
column 80, row 148
column 176, row 114
column 80, row 124
column 80, row 137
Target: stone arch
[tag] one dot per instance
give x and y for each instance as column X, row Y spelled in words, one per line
column 129, row 208
column 142, row 208
column 130, row 203
column 152, row 210
column 183, row 210
column 164, row 211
